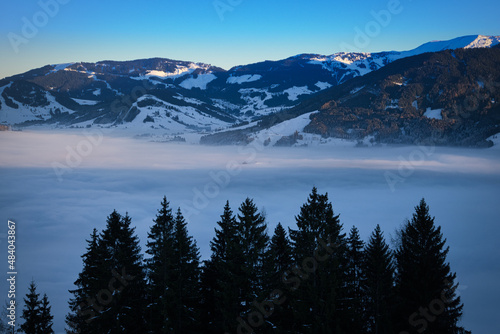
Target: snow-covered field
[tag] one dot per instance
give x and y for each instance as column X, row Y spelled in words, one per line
column 58, row 187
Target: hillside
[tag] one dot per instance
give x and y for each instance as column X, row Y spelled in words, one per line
column 171, row 99
column 448, row 98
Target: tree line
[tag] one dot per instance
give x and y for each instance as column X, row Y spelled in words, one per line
column 313, row 278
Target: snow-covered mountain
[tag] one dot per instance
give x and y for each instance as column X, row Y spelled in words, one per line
column 172, row 98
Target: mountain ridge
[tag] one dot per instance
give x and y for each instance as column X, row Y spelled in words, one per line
column 444, row 98
column 172, row 97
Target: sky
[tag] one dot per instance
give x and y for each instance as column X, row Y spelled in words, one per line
column 225, row 33
column 56, row 212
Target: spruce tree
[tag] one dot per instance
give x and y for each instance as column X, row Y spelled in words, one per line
column 378, row 286
column 31, row 311
column 4, row 326
column 278, row 259
column 160, row 246
column 425, row 284
column 46, row 318
column 184, row 281
column 318, row 247
column 211, row 318
column 252, row 238
column 83, row 305
column 221, row 278
column 123, row 308
column 351, row 296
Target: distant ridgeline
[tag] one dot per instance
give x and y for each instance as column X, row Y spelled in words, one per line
column 311, row 279
column 444, row 98
column 429, row 94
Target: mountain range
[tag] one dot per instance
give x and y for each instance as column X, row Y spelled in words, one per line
column 444, row 90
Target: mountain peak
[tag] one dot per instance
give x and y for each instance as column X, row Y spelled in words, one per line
column 466, row 42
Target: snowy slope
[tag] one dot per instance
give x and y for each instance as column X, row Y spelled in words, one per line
column 362, row 63
column 23, row 113
column 467, row 42
column 198, row 97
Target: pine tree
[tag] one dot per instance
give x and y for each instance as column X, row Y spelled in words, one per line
column 425, row 285
column 184, row 279
column 378, row 269
column 351, row 295
column 31, row 311
column 160, row 247
column 318, row 248
column 83, row 306
column 123, row 308
column 46, row 318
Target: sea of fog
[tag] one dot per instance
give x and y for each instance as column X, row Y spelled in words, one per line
column 58, row 187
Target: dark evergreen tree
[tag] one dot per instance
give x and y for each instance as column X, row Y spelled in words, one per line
column 46, row 318
column 351, row 296
column 184, row 281
column 378, row 286
column 425, row 285
column 211, row 318
column 83, row 306
column 160, row 247
column 31, row 311
column 5, row 328
column 318, row 247
column 278, row 259
column 124, row 307
column 221, row 302
column 252, row 238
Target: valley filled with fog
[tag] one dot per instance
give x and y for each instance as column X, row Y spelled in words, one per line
column 58, row 187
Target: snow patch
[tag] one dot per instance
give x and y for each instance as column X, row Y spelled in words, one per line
column 61, row 67
column 178, row 72
column 433, row 113
column 322, row 85
column 357, row 89
column 496, row 140
column 286, row 128
column 170, row 119
column 25, row 113
column 201, row 81
column 188, row 100
column 294, row 92
column 394, row 104
column 243, row 79
column 85, row 102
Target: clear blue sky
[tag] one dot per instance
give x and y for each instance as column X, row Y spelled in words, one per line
column 238, row 32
